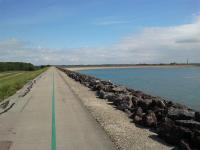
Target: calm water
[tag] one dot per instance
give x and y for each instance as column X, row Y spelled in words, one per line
column 180, row 84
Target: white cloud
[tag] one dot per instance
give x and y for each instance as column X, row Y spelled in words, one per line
column 151, row 45
column 176, row 43
column 11, row 44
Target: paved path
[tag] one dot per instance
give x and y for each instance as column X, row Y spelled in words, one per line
column 30, row 124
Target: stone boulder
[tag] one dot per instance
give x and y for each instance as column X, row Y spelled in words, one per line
column 123, row 102
column 138, row 94
column 188, row 123
column 135, row 101
column 173, row 133
column 184, row 145
column 137, row 119
column 144, row 103
column 101, row 94
column 197, row 116
column 158, row 103
column 160, row 113
column 106, row 82
column 196, row 139
column 180, row 114
column 150, row 119
column 108, row 88
column 97, row 87
column 119, row 89
column 106, row 95
column 139, row 112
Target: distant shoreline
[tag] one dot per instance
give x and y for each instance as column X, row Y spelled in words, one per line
column 79, row 68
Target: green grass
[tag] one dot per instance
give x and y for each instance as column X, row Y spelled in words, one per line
column 10, row 82
column 6, row 76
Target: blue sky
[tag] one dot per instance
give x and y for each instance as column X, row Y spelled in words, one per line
column 75, row 26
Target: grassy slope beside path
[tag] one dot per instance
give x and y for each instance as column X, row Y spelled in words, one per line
column 14, row 81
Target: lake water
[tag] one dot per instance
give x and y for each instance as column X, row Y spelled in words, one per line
column 179, row 84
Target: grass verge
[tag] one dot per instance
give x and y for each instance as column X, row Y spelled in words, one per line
column 15, row 81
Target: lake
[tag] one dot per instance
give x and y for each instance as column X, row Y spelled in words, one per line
column 179, row 84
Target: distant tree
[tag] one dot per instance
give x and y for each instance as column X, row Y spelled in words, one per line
column 16, row 66
column 173, row 63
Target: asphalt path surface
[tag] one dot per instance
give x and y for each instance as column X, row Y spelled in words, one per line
column 51, row 117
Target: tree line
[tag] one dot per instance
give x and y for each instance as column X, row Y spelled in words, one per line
column 18, row 66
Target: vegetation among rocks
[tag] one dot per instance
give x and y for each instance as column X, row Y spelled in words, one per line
column 175, row 123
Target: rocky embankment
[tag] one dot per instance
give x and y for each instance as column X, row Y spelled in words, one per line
column 175, row 123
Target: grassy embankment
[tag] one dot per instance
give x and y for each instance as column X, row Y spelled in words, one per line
column 12, row 81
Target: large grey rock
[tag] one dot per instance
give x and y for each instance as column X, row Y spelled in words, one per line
column 173, row 133
column 108, row 88
column 138, row 94
column 101, row 94
column 196, row 140
column 106, row 82
column 144, row 103
column 180, row 114
column 139, row 112
column 135, row 100
column 150, row 119
column 197, row 116
column 137, row 119
column 123, row 101
column 119, row 89
column 188, row 123
column 98, row 86
column 111, row 96
column 184, row 145
column 158, row 103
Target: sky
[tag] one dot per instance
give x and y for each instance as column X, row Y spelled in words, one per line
column 99, row 31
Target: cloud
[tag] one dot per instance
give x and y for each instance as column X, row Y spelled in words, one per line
column 156, row 44
column 150, row 45
column 11, row 44
column 189, row 40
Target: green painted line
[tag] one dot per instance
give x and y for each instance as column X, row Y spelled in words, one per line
column 53, row 135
